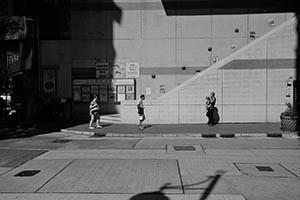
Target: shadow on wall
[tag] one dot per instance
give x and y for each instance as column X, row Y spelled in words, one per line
column 105, row 15
column 298, row 69
column 159, row 195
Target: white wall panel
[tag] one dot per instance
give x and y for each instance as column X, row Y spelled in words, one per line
column 193, row 52
column 194, row 26
column 158, row 53
column 224, row 25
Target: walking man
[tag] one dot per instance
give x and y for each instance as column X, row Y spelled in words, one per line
column 95, row 112
column 140, row 107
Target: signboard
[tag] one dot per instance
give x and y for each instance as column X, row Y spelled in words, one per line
column 13, row 28
column 112, row 90
column 102, row 70
column 132, row 70
column 13, row 61
column 49, row 82
column 119, row 70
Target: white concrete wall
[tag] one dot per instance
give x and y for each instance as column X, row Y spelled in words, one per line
column 250, row 84
column 141, row 31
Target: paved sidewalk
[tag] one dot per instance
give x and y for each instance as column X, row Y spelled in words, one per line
column 181, row 130
column 152, row 130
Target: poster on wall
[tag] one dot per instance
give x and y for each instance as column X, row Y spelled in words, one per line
column 94, row 89
column 112, row 97
column 129, row 89
column 121, row 97
column 102, row 70
column 132, row 70
column 86, row 89
column 112, row 89
column 13, row 62
column 130, row 97
column 119, row 70
column 77, row 93
column 49, row 82
column 103, row 93
column 121, row 89
column 85, row 98
column 162, row 89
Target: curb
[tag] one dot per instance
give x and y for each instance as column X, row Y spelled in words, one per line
column 87, row 133
column 197, row 135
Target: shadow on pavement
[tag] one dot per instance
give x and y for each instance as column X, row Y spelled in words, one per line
column 8, row 132
column 159, row 195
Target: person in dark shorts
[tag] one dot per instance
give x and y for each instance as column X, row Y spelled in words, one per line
column 212, row 111
column 95, row 112
column 140, row 108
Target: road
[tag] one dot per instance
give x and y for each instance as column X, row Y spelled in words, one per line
column 65, row 166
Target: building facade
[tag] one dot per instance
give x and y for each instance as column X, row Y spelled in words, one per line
column 120, row 49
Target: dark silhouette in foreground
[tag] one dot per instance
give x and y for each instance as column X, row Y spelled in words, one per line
column 159, row 195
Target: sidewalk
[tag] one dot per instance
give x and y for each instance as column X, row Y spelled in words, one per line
column 184, row 130
column 152, row 130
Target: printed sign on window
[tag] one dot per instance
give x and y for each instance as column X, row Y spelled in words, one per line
column 94, row 89
column 102, row 70
column 103, row 93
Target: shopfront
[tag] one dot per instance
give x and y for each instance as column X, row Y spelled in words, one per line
column 112, row 82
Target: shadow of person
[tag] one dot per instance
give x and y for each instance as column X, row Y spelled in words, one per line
column 148, row 126
column 155, row 195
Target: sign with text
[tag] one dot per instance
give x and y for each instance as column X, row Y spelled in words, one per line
column 102, row 70
column 119, row 70
column 132, row 70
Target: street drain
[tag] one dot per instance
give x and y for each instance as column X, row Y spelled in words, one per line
column 264, row 169
column 27, row 173
column 184, row 148
column 61, row 141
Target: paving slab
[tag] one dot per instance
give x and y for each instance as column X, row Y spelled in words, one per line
column 197, row 175
column 115, row 176
column 159, row 143
column 262, row 188
column 13, row 157
column 251, row 143
column 48, row 169
column 293, row 167
column 277, row 155
column 104, row 154
column 36, row 143
column 264, row 170
column 104, row 143
column 149, row 195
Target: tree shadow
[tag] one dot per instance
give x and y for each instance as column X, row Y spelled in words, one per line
column 160, row 195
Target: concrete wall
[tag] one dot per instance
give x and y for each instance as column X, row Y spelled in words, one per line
column 250, row 85
column 142, row 31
